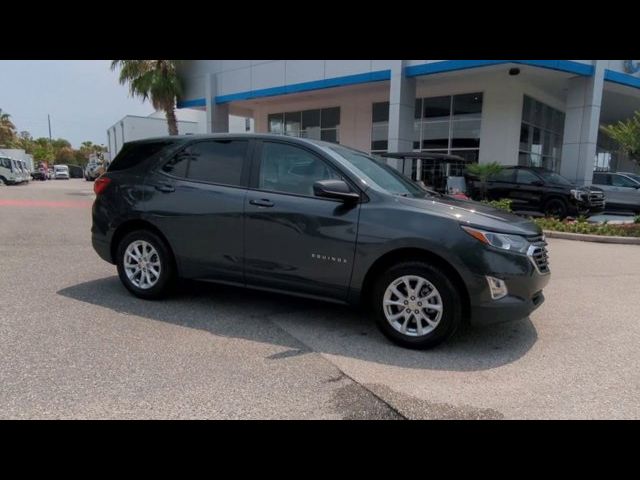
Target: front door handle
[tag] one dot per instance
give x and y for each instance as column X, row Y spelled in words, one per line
column 163, row 187
column 262, row 202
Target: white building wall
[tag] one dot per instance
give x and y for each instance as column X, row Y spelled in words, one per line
column 355, row 113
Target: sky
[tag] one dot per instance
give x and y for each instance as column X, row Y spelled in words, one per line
column 83, row 98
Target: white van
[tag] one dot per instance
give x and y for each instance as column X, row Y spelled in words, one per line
column 9, row 173
column 26, row 174
column 61, row 171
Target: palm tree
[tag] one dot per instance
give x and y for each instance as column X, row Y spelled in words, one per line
column 627, row 135
column 483, row 171
column 7, row 130
column 154, row 79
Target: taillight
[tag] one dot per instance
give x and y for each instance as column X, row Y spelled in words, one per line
column 100, row 184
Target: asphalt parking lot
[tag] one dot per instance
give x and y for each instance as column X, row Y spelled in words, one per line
column 75, row 344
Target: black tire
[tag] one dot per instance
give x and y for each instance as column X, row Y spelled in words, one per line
column 451, row 305
column 556, row 207
column 167, row 276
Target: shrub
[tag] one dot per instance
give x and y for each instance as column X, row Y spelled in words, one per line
column 622, row 230
column 503, row 203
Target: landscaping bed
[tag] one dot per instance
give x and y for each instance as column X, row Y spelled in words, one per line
column 578, row 226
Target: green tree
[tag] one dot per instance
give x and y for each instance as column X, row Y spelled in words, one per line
column 43, row 150
column 153, row 79
column 483, row 171
column 66, row 156
column 7, row 130
column 25, row 141
column 627, row 134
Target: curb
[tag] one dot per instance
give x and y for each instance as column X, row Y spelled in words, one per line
column 592, row 238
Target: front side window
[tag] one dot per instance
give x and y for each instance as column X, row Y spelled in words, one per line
column 620, row 181
column 379, row 173
column 290, row 169
column 553, row 177
column 526, row 177
column 219, row 161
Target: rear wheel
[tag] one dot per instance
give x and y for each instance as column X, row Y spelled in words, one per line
column 556, row 207
column 145, row 264
column 416, row 305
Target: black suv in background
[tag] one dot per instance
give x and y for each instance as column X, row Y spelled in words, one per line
column 542, row 190
column 314, row 219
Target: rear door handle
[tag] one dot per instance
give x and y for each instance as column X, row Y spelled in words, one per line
column 163, row 187
column 262, row 202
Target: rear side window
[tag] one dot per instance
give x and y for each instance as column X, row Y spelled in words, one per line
column 133, row 154
column 505, row 175
column 219, row 161
column 601, row 179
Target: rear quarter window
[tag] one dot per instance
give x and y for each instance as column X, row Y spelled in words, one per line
column 133, row 154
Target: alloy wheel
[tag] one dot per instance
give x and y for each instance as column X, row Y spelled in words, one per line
column 142, row 264
column 412, row 305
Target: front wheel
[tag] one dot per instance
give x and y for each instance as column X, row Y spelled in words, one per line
column 416, row 305
column 556, row 208
column 145, row 264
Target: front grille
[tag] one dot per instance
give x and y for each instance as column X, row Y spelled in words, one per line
column 539, row 255
column 596, row 198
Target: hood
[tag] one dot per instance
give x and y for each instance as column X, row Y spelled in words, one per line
column 475, row 214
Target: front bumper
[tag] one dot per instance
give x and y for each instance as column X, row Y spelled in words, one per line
column 506, row 309
column 524, row 282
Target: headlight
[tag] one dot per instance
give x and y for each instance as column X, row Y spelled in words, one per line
column 513, row 243
column 577, row 194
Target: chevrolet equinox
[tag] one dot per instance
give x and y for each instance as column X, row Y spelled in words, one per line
column 314, row 219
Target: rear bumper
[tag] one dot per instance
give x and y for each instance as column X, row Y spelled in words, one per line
column 102, row 247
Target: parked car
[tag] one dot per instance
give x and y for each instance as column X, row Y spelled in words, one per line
column 541, row 190
column 93, row 170
column 51, row 173
column 9, row 173
column 40, row 173
column 318, row 220
column 622, row 190
column 61, row 172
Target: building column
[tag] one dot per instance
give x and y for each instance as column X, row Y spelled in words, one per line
column 581, row 124
column 217, row 114
column 402, row 101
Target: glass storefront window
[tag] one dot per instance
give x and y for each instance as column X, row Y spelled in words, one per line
column 318, row 124
column 276, row 123
column 442, row 124
column 380, row 127
column 541, row 135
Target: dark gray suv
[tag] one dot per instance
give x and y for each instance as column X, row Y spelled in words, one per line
column 314, row 219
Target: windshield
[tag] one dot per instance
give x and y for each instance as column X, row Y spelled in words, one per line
column 633, row 176
column 553, row 177
column 379, row 173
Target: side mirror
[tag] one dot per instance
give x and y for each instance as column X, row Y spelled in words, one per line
column 538, row 183
column 337, row 189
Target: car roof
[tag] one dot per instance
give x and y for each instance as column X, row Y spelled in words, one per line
column 248, row 136
column 427, row 156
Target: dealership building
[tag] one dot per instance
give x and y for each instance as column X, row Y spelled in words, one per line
column 514, row 112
